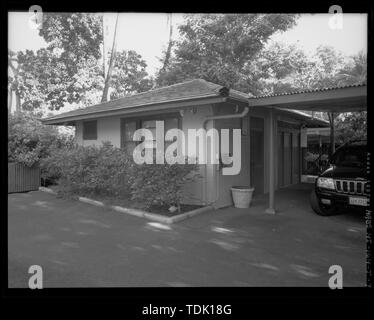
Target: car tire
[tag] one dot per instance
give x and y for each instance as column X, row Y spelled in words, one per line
column 318, row 207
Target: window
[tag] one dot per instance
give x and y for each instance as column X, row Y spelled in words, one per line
column 129, row 126
column 90, row 130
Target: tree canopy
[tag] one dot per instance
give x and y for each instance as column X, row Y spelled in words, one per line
column 219, row 47
column 69, row 70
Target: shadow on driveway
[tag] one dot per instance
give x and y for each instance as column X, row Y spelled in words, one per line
column 79, row 245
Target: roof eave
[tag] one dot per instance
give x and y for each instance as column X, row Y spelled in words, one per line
column 175, row 104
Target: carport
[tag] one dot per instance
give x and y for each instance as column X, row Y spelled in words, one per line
column 335, row 100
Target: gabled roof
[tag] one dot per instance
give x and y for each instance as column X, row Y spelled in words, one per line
column 196, row 89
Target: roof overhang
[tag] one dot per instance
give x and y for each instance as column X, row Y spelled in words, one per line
column 133, row 111
column 347, row 99
column 310, row 122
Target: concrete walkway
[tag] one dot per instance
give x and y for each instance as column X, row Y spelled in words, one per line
column 79, row 245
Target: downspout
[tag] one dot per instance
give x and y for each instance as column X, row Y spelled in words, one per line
column 226, row 116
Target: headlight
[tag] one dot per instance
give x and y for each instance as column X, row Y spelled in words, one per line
column 326, row 183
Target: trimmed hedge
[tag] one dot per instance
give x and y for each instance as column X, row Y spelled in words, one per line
column 109, row 171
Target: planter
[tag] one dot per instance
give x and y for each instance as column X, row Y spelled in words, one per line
column 242, row 196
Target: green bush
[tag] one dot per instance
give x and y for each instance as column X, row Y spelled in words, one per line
column 109, row 171
column 29, row 140
column 103, row 170
column 161, row 184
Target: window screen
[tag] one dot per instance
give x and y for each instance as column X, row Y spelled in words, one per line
column 90, row 130
column 129, row 126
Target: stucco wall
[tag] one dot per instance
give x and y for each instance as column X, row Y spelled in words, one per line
column 212, row 187
column 108, row 129
column 195, row 192
column 226, row 182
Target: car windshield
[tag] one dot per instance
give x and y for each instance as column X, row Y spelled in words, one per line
column 352, row 156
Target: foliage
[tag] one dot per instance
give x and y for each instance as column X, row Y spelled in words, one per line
column 218, row 47
column 77, row 36
column 351, row 126
column 69, row 70
column 90, row 170
column 109, row 171
column 282, row 68
column 29, row 141
column 129, row 74
column 161, row 184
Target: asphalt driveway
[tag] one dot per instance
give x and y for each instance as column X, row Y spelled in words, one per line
column 79, row 245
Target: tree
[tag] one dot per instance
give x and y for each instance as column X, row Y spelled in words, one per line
column 108, row 75
column 287, row 68
column 29, row 140
column 13, row 80
column 129, row 74
column 351, row 126
column 355, row 71
column 69, row 70
column 169, row 47
column 218, row 47
column 76, row 36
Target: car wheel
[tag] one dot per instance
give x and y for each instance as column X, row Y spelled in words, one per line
column 319, row 208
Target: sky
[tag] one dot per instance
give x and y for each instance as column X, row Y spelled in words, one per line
column 147, row 33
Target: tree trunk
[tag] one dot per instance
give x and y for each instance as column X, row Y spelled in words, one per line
column 110, row 67
column 10, row 100
column 170, row 44
column 104, row 62
column 18, row 101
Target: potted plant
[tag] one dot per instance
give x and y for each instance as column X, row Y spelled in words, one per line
column 242, row 196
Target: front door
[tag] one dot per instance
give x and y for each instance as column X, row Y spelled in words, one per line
column 257, row 154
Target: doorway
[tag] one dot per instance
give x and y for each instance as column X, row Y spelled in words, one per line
column 288, row 157
column 257, row 154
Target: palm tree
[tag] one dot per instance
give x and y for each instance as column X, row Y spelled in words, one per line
column 108, row 76
column 355, row 72
column 13, row 81
column 170, row 44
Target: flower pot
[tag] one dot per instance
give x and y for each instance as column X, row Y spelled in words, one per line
column 242, row 196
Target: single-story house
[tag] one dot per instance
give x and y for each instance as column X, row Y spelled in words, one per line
column 199, row 104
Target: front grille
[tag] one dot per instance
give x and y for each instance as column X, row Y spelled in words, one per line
column 352, row 187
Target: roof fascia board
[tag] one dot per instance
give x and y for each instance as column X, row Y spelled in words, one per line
column 135, row 110
column 307, row 97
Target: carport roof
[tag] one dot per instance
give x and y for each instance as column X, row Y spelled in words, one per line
column 336, row 99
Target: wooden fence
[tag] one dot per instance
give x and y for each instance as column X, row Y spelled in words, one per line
column 22, row 178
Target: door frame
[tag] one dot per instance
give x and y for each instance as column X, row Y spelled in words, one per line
column 263, row 149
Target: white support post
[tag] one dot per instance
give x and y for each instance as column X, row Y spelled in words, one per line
column 271, row 209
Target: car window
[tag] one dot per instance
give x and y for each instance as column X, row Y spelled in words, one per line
column 350, row 156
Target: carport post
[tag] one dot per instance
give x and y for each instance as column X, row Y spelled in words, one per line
column 271, row 209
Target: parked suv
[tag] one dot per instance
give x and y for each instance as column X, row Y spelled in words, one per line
column 344, row 185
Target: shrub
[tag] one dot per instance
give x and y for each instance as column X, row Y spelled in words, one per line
column 161, row 184
column 109, row 171
column 29, row 140
column 90, row 170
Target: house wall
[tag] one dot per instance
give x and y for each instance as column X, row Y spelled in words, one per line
column 213, row 187
column 108, row 129
column 196, row 192
column 243, row 178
